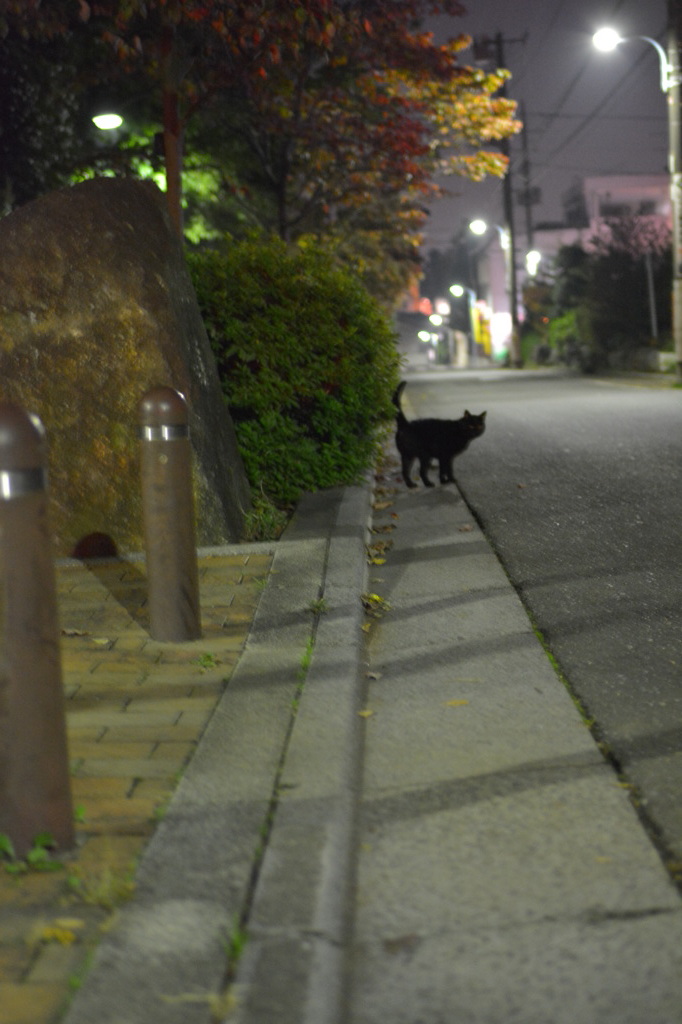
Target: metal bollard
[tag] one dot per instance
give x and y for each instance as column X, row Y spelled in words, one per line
column 168, row 508
column 35, row 788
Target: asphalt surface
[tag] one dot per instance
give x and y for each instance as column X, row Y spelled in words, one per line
column 408, row 821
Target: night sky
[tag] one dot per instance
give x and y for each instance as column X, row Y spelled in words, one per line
column 587, row 113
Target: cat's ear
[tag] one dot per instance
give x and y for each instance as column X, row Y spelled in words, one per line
column 467, row 414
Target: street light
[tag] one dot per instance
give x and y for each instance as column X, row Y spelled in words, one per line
column 107, row 122
column 607, row 39
column 459, row 290
column 533, row 261
column 479, row 227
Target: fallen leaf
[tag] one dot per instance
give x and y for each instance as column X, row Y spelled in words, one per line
column 379, row 506
column 75, row 632
column 373, row 675
column 64, row 936
column 377, row 561
column 374, row 605
column 72, row 923
column 455, row 703
column 381, row 546
column 465, row 529
column 365, row 714
column 404, row 943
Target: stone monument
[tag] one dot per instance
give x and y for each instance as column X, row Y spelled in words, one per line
column 96, row 308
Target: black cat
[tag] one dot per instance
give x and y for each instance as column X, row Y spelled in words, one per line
column 433, row 439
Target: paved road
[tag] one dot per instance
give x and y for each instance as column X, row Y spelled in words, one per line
column 578, row 485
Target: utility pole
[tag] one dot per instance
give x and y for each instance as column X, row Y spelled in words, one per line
column 525, row 171
column 675, row 167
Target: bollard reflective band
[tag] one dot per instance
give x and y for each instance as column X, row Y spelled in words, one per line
column 165, row 432
column 16, row 483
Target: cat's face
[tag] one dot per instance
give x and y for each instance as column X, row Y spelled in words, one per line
column 475, row 422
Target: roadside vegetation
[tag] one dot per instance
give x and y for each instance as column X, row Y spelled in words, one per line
column 307, row 360
column 604, row 306
column 298, row 146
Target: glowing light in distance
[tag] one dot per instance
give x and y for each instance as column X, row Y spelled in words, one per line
column 107, row 122
column 533, row 259
column 606, row 39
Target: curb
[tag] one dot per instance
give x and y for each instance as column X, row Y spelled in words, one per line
column 294, row 968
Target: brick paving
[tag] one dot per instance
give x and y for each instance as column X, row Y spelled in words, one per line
column 136, row 709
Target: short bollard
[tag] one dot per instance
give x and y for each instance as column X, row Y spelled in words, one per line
column 168, row 508
column 35, row 789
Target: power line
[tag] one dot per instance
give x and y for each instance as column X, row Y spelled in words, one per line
column 607, row 117
column 589, row 118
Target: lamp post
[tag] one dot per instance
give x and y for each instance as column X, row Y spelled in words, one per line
column 458, row 290
column 479, row 227
column 607, row 39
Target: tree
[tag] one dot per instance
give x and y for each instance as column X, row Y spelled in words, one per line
column 39, row 141
column 333, row 100
column 629, row 267
column 374, row 117
column 602, row 296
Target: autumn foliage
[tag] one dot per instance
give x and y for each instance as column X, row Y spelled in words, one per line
column 335, row 104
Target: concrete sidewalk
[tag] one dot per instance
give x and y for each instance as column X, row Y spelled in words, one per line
column 397, row 816
column 504, row 875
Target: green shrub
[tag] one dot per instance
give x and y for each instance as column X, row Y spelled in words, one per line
column 307, row 360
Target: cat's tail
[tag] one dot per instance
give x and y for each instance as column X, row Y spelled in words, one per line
column 400, row 416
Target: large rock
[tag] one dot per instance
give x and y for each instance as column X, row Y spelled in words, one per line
column 96, row 308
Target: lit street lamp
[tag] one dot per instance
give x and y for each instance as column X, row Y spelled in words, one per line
column 533, row 261
column 459, row 290
column 607, row 39
column 479, row 227
column 107, row 122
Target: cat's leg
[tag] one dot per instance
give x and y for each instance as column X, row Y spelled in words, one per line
column 424, row 472
column 445, row 467
column 407, row 470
